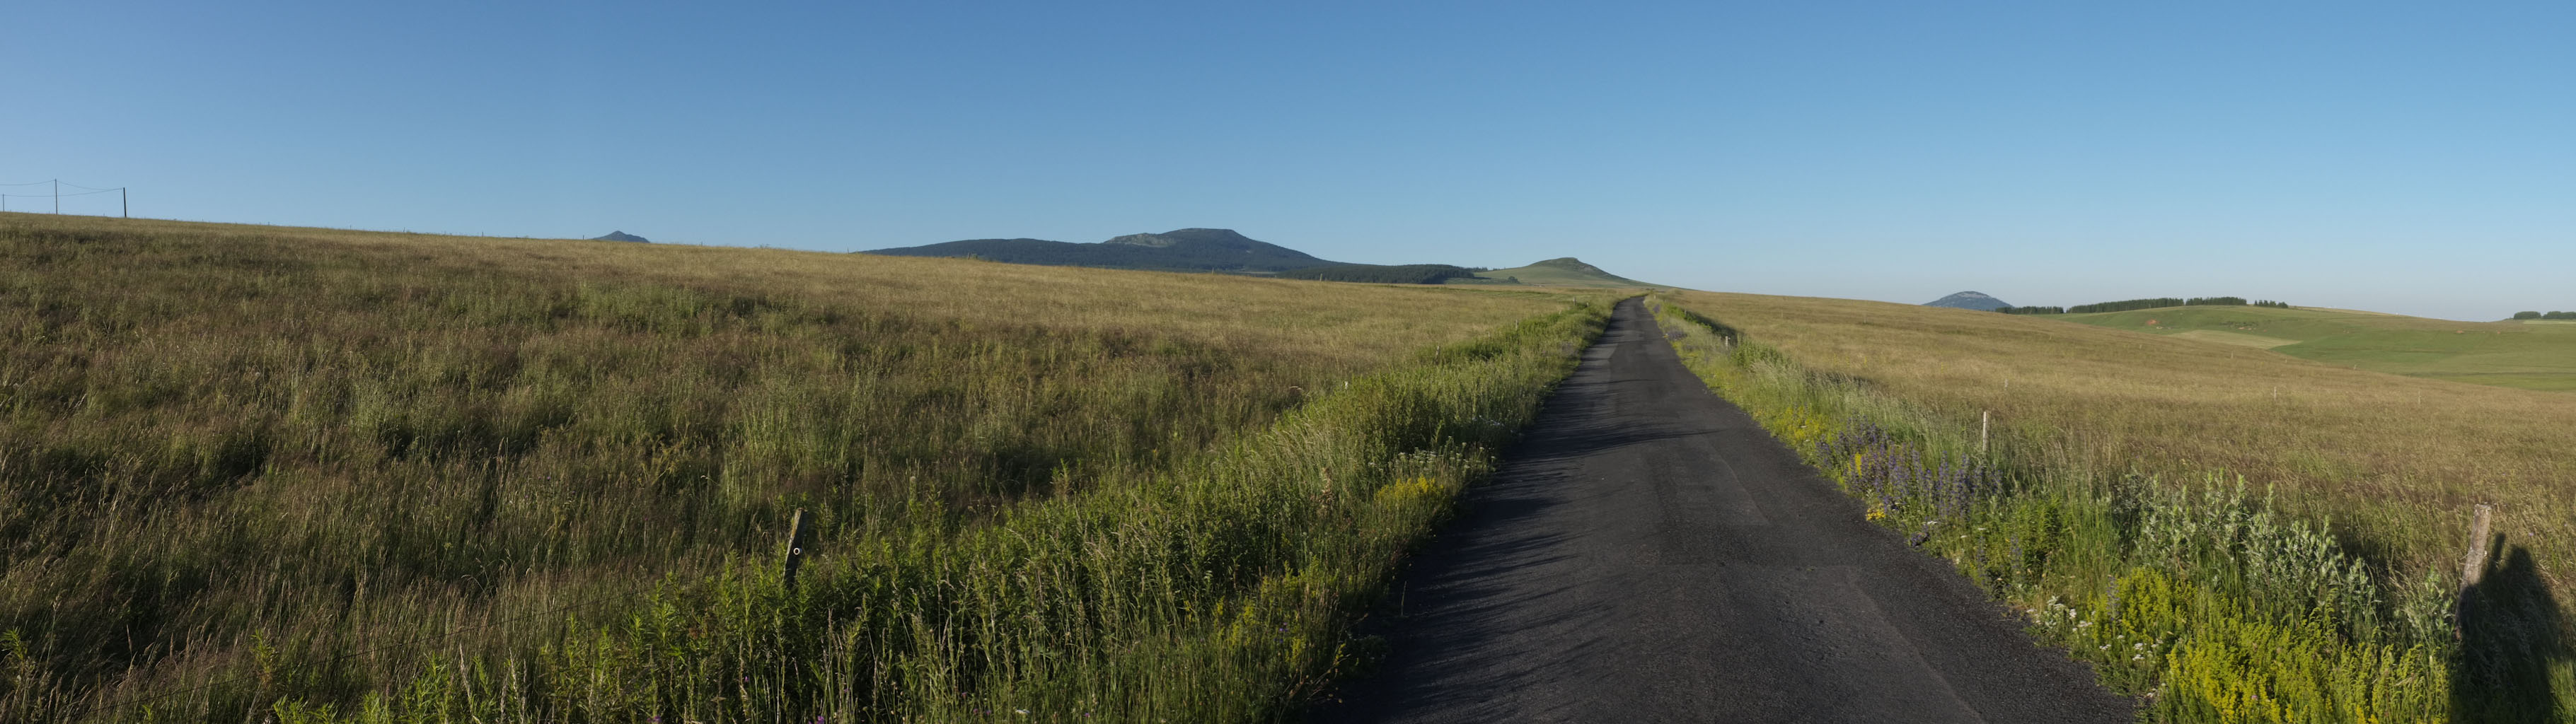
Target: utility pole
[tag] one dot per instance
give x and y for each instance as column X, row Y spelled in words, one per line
column 58, row 196
column 124, row 207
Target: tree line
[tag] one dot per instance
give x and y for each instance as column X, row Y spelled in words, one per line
column 1382, row 274
column 2547, row 315
column 2152, row 303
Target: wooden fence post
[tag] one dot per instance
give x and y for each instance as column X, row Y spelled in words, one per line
column 2474, row 567
column 796, row 540
column 1985, row 419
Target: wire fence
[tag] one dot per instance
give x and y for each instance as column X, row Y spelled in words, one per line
column 55, row 194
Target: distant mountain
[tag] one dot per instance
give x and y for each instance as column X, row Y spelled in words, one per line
column 621, row 236
column 1969, row 300
column 1223, row 250
column 1178, row 250
column 1558, row 272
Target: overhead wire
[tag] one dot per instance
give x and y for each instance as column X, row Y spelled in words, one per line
column 48, row 196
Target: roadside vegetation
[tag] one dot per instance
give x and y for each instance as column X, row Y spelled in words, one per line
column 323, row 476
column 2232, row 537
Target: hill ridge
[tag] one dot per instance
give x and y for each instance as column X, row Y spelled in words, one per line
column 1563, row 271
column 1190, row 249
column 1979, row 301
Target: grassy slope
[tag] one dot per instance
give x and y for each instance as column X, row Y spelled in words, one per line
column 234, row 450
column 1556, row 273
column 2507, row 354
column 2400, row 455
column 2395, row 462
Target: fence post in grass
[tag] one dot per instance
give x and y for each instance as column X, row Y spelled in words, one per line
column 2474, row 567
column 1985, row 419
column 796, row 539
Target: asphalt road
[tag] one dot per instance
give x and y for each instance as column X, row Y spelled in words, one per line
column 1648, row 554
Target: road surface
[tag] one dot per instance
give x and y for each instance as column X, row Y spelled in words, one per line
column 1648, row 554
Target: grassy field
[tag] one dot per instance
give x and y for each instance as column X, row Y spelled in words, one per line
column 2506, row 354
column 319, row 475
column 1566, row 272
column 2109, row 505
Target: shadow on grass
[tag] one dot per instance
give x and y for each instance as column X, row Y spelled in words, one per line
column 2510, row 637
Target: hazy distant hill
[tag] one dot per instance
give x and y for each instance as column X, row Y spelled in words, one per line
column 1969, row 300
column 1558, row 272
column 1178, row 250
column 1223, row 250
column 621, row 236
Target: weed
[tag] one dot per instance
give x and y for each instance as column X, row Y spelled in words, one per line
column 344, row 476
column 2211, row 603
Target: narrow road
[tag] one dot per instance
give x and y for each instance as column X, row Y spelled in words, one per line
column 1648, row 554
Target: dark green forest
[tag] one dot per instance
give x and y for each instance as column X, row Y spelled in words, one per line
column 1383, row 274
column 2151, row 303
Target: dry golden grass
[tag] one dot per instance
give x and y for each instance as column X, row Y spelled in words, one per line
column 221, row 440
column 2396, row 461
column 1335, row 320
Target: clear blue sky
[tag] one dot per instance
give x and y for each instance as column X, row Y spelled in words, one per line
column 2416, row 158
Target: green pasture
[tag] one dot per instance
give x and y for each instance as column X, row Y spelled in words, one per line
column 2526, row 355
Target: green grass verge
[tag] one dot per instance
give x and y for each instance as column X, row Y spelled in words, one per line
column 316, row 475
column 2203, row 599
column 1221, row 590
column 2504, row 354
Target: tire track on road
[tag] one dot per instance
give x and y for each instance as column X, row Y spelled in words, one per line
column 1647, row 553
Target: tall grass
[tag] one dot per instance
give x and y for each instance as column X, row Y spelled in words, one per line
column 2213, row 600
column 326, row 476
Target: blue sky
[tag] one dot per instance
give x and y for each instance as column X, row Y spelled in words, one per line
column 2416, row 158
